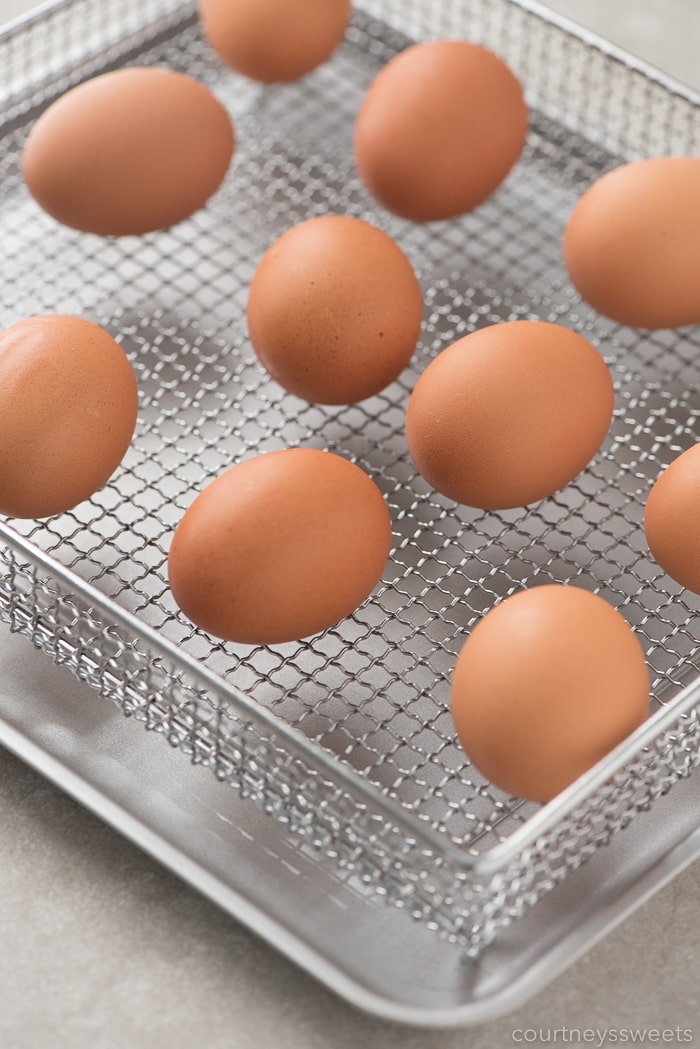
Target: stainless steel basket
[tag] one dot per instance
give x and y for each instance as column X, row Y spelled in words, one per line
column 347, row 738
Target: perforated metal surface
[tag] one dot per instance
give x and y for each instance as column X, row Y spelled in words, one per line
column 371, row 694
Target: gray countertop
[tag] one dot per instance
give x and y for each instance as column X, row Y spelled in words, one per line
column 104, row 948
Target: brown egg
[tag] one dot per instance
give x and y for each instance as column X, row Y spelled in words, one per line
column 280, row 547
column 509, row 414
column 334, row 310
column 68, row 404
column 672, row 519
column 547, row 683
column 632, row 244
column 128, row 152
column 439, row 129
column 274, row 40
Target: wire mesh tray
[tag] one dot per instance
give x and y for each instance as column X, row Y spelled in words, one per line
column 347, row 738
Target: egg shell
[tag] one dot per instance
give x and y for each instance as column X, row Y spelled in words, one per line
column 274, row 40
column 68, row 404
column 632, row 243
column 547, row 683
column 509, row 414
column 334, row 310
column 439, row 129
column 672, row 519
column 129, row 152
column 280, row 547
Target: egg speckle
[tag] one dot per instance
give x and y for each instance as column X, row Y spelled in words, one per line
column 632, row 243
column 439, row 129
column 280, row 547
column 68, row 404
column 334, row 310
column 547, row 683
column 129, row 152
column 509, row 414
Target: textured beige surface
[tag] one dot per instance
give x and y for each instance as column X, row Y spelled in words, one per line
column 103, row 949
column 664, row 32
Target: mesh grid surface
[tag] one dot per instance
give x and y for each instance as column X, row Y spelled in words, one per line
column 372, row 692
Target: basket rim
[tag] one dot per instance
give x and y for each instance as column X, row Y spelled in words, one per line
column 487, row 863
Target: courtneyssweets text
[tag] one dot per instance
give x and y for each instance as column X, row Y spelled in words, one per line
column 603, row 1036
